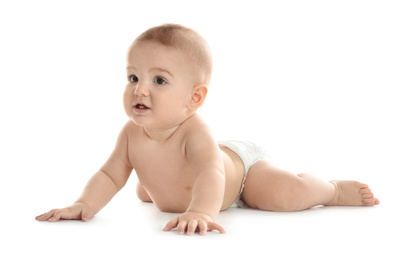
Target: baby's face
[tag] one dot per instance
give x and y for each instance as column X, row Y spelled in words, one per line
column 159, row 86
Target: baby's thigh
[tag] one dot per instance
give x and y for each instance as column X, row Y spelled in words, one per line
column 267, row 187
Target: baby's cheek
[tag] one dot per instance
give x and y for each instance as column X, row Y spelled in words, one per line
column 127, row 98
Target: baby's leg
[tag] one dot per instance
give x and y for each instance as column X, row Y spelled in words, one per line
column 270, row 188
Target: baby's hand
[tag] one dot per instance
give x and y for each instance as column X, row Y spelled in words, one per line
column 192, row 221
column 75, row 211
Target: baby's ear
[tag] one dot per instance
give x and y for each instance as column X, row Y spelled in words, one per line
column 198, row 97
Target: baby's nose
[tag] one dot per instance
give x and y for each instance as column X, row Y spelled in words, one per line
column 141, row 90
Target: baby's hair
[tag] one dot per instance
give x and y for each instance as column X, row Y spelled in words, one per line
column 187, row 40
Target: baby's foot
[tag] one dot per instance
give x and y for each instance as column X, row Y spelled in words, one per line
column 352, row 193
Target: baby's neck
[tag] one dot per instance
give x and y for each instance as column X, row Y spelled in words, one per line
column 160, row 135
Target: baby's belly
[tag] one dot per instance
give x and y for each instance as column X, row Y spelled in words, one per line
column 173, row 200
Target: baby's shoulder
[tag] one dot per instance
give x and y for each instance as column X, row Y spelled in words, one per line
column 128, row 128
column 130, row 131
column 195, row 130
column 195, row 125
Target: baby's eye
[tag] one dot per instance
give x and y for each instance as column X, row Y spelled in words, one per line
column 159, row 81
column 133, row 78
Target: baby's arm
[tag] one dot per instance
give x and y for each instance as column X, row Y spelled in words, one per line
column 209, row 187
column 206, row 160
column 101, row 188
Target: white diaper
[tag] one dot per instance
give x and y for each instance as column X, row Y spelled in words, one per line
column 250, row 153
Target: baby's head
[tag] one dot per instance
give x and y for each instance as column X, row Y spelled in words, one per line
column 169, row 69
column 186, row 40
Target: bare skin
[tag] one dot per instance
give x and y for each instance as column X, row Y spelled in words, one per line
column 171, row 149
column 270, row 188
column 178, row 163
column 167, row 179
column 267, row 187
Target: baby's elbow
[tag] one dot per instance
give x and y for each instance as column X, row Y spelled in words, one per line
column 119, row 183
column 142, row 193
column 220, row 176
column 221, row 172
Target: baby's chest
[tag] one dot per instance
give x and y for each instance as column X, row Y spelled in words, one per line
column 162, row 165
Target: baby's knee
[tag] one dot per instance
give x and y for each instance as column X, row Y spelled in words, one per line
column 290, row 198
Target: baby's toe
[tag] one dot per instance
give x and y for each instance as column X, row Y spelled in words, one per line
column 367, row 195
column 365, row 191
column 368, row 202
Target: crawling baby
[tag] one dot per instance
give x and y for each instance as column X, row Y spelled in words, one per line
column 180, row 167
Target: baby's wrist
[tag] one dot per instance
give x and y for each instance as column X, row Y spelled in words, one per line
column 204, row 214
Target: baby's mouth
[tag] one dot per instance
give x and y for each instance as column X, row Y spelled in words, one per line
column 141, row 106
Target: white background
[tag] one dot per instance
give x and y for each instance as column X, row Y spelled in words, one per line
column 315, row 82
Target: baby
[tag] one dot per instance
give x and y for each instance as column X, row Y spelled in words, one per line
column 180, row 167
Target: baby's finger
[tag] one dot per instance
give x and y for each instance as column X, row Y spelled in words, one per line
column 86, row 214
column 203, row 227
column 182, row 227
column 39, row 216
column 214, row 226
column 192, row 225
column 172, row 224
column 57, row 215
column 46, row 216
